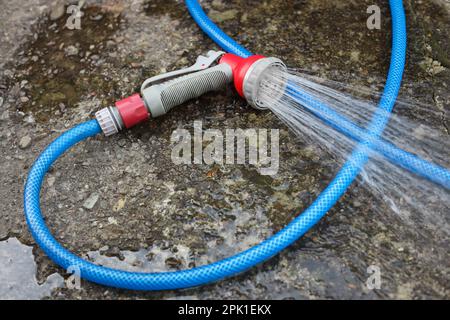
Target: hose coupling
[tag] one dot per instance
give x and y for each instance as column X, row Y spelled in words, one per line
column 126, row 113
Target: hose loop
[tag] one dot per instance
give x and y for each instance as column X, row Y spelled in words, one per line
column 241, row 261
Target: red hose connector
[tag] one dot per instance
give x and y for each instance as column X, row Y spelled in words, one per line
column 239, row 66
column 132, row 110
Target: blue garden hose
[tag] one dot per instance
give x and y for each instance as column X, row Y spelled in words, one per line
column 248, row 258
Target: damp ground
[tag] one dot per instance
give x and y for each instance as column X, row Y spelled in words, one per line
column 121, row 202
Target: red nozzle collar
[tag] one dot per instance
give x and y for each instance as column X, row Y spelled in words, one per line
column 239, row 66
column 132, row 110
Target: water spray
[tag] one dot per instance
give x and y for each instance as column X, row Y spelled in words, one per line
column 252, row 77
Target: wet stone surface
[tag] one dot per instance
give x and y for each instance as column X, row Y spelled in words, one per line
column 121, row 202
column 61, row 65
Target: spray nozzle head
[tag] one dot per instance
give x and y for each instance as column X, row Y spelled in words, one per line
column 250, row 75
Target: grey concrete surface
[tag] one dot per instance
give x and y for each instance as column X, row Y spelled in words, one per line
column 120, row 201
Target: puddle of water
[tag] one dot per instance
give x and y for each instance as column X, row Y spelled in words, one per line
column 61, row 65
column 153, row 259
column 18, row 273
column 232, row 237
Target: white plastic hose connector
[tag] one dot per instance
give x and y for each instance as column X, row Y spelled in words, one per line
column 109, row 121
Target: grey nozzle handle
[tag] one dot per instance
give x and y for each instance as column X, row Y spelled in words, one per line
column 160, row 98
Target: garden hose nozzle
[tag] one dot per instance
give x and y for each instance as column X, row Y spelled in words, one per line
column 161, row 93
column 250, row 74
column 212, row 72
